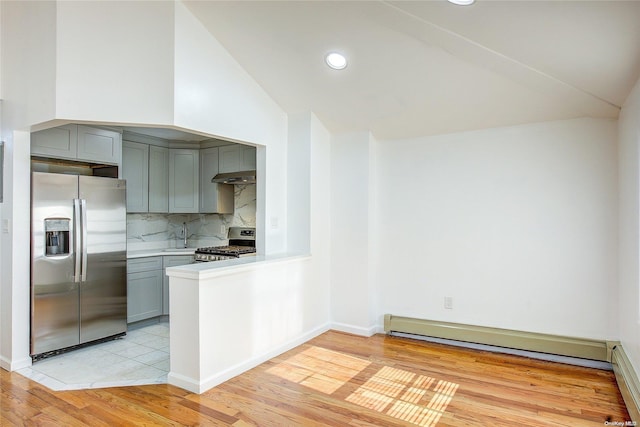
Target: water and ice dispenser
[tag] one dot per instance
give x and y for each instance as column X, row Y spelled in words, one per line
column 56, row 231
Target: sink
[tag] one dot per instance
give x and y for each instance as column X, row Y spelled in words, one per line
column 180, row 250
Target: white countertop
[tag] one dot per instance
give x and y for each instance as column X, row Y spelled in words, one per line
column 160, row 252
column 204, row 270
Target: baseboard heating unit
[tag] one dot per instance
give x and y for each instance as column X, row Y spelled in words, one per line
column 528, row 341
column 627, row 381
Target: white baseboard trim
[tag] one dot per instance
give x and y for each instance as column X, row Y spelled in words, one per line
column 184, row 382
column 5, row 363
column 355, row 330
column 200, row 386
column 627, row 380
column 10, row 365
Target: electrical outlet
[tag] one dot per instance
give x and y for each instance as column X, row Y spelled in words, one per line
column 448, row 303
column 222, row 229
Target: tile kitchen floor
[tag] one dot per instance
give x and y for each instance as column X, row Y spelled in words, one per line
column 141, row 357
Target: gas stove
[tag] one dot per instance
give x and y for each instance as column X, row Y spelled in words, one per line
column 242, row 242
column 217, row 253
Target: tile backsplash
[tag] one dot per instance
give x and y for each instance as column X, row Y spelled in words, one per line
column 152, row 231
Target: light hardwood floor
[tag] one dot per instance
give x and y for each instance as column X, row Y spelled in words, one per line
column 338, row 379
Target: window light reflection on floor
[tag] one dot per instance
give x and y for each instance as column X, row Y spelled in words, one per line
column 396, row 392
column 320, row 369
column 382, row 390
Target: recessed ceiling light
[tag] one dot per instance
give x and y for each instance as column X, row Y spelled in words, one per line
column 462, row 2
column 336, row 60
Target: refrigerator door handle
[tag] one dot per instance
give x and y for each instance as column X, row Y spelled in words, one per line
column 77, row 246
column 83, row 208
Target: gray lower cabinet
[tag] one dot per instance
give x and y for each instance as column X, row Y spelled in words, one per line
column 171, row 261
column 144, row 288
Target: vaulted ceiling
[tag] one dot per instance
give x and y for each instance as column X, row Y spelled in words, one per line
column 430, row 67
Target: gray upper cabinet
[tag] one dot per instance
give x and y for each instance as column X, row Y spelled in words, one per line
column 178, row 180
column 184, row 181
column 78, row 142
column 135, row 169
column 158, row 179
column 229, row 160
column 99, row 145
column 234, row 158
column 247, row 158
column 146, row 169
column 214, row 198
column 60, row 142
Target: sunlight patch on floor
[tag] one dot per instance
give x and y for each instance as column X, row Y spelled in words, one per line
column 382, row 390
column 417, row 399
column 320, row 369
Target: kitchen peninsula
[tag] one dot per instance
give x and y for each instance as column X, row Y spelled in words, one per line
column 229, row 316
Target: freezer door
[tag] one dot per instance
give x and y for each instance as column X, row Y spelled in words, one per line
column 54, row 287
column 103, row 292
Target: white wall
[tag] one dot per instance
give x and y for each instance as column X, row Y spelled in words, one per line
column 299, row 211
column 28, row 63
column 16, row 247
column 28, row 90
column 353, row 238
column 115, row 61
column 319, row 219
column 320, row 200
column 518, row 225
column 629, row 226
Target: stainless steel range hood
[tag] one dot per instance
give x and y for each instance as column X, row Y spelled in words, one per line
column 243, row 177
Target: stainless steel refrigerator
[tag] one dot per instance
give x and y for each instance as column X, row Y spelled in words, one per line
column 78, row 260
